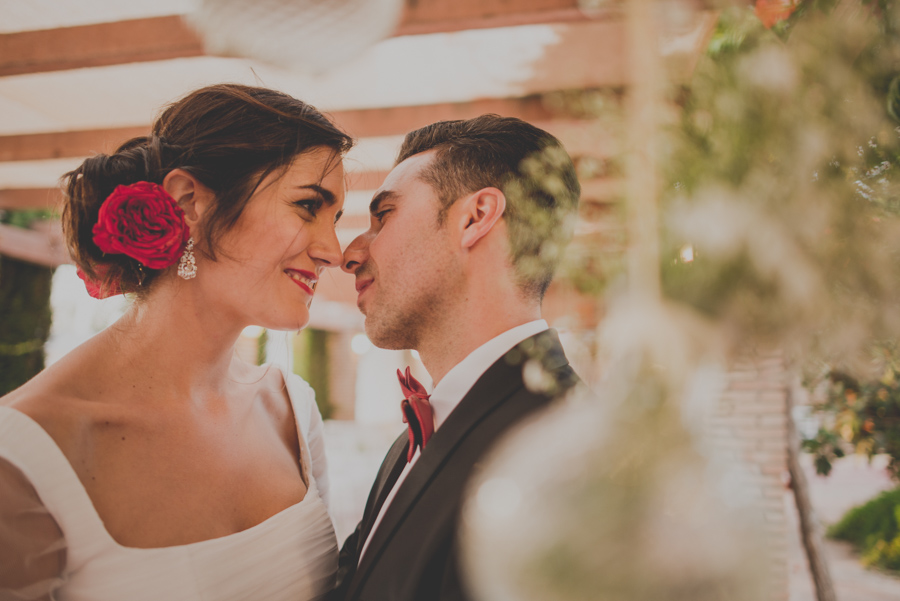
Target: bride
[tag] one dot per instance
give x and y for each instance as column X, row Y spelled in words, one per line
column 151, row 462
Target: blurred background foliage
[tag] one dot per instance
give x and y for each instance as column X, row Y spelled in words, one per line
column 863, row 415
column 782, row 180
column 311, row 361
column 25, row 320
column 780, row 219
column 875, row 529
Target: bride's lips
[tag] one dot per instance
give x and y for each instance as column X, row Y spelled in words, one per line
column 305, row 279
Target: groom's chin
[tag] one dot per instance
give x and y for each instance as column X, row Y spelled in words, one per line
column 383, row 338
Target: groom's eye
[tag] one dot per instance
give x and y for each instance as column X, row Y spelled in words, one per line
column 380, row 215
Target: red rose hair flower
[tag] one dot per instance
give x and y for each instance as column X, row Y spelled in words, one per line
column 143, row 222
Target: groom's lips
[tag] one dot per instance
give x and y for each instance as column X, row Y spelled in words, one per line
column 361, row 286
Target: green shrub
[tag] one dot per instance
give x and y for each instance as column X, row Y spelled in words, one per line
column 875, row 529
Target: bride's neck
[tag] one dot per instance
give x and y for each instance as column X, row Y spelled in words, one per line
column 166, row 337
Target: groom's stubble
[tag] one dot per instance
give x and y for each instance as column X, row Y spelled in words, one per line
column 413, row 296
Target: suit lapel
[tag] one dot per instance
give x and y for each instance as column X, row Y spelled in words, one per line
column 494, row 387
column 388, row 474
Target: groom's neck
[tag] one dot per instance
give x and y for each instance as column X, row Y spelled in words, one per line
column 448, row 343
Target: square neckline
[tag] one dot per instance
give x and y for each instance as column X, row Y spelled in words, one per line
column 62, row 463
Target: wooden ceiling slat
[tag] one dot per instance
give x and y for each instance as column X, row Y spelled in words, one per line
column 42, row 247
column 435, row 16
column 398, row 120
column 47, row 247
column 51, row 198
column 596, row 190
column 101, row 44
column 56, row 145
column 168, row 37
column 361, row 123
column 30, row 198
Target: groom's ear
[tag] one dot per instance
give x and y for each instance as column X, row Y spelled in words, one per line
column 480, row 213
column 191, row 195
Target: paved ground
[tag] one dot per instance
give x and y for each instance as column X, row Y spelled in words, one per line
column 852, row 482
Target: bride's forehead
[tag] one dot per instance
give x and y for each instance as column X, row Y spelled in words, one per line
column 325, row 171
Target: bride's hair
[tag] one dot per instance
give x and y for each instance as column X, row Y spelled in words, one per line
column 230, row 137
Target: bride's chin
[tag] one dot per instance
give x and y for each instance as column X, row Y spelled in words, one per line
column 301, row 323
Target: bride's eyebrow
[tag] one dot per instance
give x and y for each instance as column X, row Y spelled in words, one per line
column 326, row 194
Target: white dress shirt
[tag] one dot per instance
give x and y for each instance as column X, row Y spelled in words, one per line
column 455, row 385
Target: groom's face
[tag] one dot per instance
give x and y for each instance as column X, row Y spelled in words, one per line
column 405, row 266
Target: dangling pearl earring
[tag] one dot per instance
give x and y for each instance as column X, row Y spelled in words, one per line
column 187, row 266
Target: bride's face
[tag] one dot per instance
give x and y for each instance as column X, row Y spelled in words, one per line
column 269, row 263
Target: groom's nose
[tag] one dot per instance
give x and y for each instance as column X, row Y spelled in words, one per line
column 356, row 253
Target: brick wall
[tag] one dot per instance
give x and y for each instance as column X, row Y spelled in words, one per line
column 749, row 425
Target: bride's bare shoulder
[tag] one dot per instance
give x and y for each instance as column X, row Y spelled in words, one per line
column 54, row 398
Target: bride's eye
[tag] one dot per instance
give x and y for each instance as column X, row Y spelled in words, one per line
column 310, row 206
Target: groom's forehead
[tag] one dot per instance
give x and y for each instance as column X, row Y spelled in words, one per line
column 406, row 175
column 410, row 169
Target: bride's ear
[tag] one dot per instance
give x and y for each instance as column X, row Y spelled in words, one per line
column 192, row 196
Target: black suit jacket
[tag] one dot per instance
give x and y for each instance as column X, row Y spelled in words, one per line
column 413, row 555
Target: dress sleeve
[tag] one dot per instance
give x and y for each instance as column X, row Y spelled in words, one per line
column 32, row 546
column 315, row 439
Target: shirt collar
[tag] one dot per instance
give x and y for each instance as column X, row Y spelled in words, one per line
column 459, row 380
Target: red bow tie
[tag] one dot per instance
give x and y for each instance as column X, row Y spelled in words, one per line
column 417, row 412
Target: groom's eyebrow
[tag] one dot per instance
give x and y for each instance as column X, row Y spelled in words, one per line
column 379, row 198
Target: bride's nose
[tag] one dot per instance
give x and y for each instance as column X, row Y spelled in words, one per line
column 325, row 249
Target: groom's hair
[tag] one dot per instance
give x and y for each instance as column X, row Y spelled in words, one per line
column 529, row 165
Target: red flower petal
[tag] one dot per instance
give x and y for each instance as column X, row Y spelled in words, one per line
column 771, row 12
column 144, row 222
column 99, row 289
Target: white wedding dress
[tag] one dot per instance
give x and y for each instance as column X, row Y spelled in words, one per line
column 290, row 556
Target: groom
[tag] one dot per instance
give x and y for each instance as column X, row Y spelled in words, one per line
column 465, row 234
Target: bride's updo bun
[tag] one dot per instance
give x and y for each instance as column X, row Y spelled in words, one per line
column 228, row 136
column 85, row 190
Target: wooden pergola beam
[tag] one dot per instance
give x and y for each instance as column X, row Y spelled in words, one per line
column 30, row 198
column 17, row 199
column 398, row 120
column 57, row 145
column 44, row 247
column 168, row 37
column 436, row 16
column 361, row 123
column 101, row 44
